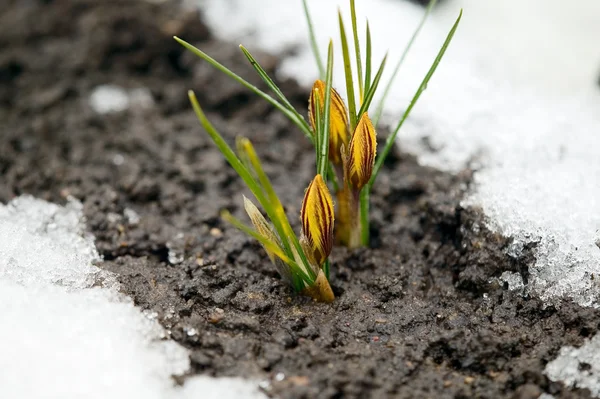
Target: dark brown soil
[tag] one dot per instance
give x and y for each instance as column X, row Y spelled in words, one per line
column 418, row 315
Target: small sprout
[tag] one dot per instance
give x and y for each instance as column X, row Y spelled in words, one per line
column 339, row 128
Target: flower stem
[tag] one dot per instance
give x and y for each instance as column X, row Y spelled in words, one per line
column 364, row 216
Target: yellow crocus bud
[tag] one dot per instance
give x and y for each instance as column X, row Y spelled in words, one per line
column 339, row 128
column 360, row 157
column 317, row 220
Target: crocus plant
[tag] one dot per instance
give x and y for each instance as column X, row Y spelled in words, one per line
column 346, row 158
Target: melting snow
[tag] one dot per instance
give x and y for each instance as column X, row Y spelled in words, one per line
column 578, row 367
column 111, row 98
column 67, row 332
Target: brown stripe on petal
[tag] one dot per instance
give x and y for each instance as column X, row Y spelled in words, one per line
column 339, row 127
column 361, row 153
column 317, row 219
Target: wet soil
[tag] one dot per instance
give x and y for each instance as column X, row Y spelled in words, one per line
column 420, row 314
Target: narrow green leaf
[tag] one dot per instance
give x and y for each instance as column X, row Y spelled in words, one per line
column 313, row 41
column 348, row 73
column 324, row 141
column 227, row 152
column 368, row 60
column 269, row 82
column 318, row 130
column 357, row 50
column 280, row 216
column 390, row 140
column 291, row 115
column 369, row 96
column 388, row 87
column 241, row 170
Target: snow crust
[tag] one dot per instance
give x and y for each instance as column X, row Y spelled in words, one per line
column 67, row 332
column 515, row 97
column 578, row 367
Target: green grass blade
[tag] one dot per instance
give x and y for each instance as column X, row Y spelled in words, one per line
column 318, row 131
column 280, row 216
column 390, row 140
column 348, row 73
column 386, row 92
column 324, row 141
column 313, row 41
column 291, row 115
column 357, row 50
column 227, row 152
column 268, row 244
column 242, row 171
column 266, row 78
column 368, row 60
column 269, row 82
column 369, row 96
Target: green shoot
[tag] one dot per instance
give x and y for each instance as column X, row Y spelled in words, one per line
column 368, row 60
column 357, row 49
column 390, row 140
column 323, row 155
column 293, row 116
column 348, row 73
column 304, row 261
column 313, row 41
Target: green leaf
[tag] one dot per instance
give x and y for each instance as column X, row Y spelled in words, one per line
column 386, row 92
column 390, row 140
column 348, row 73
column 369, row 97
column 301, row 123
column 357, row 49
column 323, row 151
column 318, row 131
column 269, row 82
column 279, row 212
column 242, row 171
column 313, row 41
column 368, row 60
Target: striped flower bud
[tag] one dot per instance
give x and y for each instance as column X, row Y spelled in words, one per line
column 339, row 128
column 360, row 157
column 317, row 220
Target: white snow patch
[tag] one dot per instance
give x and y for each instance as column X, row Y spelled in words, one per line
column 515, row 94
column 578, row 367
column 111, row 98
column 67, row 332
